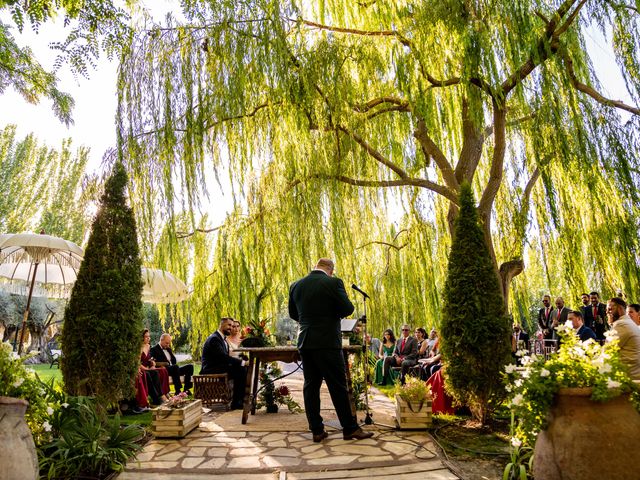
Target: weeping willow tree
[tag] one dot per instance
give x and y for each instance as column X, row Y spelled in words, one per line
column 331, row 117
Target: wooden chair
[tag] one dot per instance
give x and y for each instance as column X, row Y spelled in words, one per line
column 214, row 389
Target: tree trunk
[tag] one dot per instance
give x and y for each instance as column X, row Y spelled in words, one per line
column 37, row 334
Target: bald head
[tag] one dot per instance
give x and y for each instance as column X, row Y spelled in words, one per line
column 326, row 265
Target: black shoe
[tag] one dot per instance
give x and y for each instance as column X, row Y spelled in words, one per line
column 318, row 437
column 358, row 434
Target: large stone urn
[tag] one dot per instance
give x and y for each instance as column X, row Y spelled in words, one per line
column 587, row 440
column 18, row 459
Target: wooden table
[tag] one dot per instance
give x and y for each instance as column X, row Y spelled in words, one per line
column 286, row 354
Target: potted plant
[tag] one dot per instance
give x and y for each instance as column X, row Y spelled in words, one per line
column 271, row 396
column 176, row 417
column 20, row 394
column 575, row 408
column 413, row 404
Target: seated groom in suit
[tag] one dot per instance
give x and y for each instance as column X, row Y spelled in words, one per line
column 162, row 353
column 216, row 359
column 405, row 354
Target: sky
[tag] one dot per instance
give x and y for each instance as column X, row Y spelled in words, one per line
column 96, row 100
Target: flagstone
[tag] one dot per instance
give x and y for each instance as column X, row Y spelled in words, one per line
column 273, row 462
column 196, row 451
column 399, row 448
column 284, row 452
column 371, row 459
column 318, row 454
column 213, row 463
column 145, row 456
column 244, row 462
column 358, row 449
column 272, row 437
column 191, row 462
column 217, row 452
column 238, row 452
column 311, row 448
column 153, row 464
column 169, row 449
column 153, row 446
column 333, row 460
column 169, row 457
column 279, row 443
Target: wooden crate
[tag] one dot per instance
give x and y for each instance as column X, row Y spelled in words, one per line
column 414, row 416
column 176, row 422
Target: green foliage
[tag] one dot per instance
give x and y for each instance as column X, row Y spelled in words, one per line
column 346, row 130
column 474, row 333
column 86, row 443
column 103, row 319
column 414, row 390
column 577, row 364
column 271, row 395
column 18, row 381
column 93, row 26
column 44, row 188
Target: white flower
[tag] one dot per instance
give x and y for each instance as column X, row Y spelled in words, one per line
column 544, row 372
column 610, row 334
column 49, row 411
column 563, row 328
column 612, row 383
column 526, row 373
column 578, row 351
column 521, row 353
column 518, row 382
column 517, row 400
column 64, row 405
column 30, row 371
column 516, row 442
column 508, row 388
column 588, row 342
column 47, row 426
column 18, row 382
column 604, row 368
column 510, row 368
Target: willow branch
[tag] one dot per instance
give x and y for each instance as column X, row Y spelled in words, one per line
column 497, row 162
column 386, row 244
column 405, row 182
column 488, row 130
column 433, row 151
column 593, row 93
column 547, row 45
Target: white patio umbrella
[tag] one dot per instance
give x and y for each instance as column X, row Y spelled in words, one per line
column 24, row 253
column 162, row 287
column 52, row 280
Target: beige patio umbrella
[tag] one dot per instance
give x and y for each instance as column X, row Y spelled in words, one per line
column 160, row 286
column 22, row 255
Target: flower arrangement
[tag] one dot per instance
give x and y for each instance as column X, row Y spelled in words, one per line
column 177, row 401
column 414, row 391
column 577, row 364
column 256, row 334
column 18, row 381
column 271, row 396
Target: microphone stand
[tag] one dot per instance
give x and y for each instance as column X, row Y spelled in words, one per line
column 368, row 419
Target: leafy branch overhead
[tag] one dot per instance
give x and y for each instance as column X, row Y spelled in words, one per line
column 335, row 121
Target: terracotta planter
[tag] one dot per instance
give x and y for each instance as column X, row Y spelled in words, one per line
column 18, row 459
column 588, row 440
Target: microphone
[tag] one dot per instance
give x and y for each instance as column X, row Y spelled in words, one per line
column 355, row 287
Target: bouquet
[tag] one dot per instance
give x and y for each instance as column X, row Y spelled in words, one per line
column 257, row 334
column 271, row 396
column 177, row 401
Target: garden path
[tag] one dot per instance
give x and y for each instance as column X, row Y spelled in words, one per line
column 279, row 447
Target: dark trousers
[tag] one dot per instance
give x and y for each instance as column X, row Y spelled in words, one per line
column 175, row 371
column 153, row 386
column 238, row 374
column 327, row 365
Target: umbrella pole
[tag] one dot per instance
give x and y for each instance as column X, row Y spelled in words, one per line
column 26, row 312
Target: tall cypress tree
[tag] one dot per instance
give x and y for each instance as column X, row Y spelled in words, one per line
column 475, row 330
column 103, row 319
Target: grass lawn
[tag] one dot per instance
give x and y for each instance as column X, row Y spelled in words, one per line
column 45, row 373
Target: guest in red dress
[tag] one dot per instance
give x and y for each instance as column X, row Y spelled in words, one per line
column 157, row 378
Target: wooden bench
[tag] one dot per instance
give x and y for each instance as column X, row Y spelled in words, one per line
column 214, row 389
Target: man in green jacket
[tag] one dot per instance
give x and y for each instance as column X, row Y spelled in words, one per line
column 318, row 302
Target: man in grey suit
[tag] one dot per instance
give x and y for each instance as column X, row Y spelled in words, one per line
column 318, row 302
column 405, row 354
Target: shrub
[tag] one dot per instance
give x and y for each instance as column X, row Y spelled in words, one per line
column 475, row 332
column 103, row 319
column 86, row 443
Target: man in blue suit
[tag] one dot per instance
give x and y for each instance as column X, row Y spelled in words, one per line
column 577, row 321
column 216, row 359
column 318, row 302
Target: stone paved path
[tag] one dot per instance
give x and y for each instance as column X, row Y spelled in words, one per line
column 286, row 455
